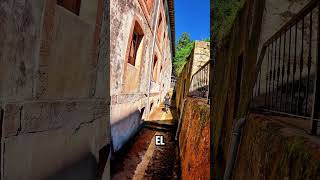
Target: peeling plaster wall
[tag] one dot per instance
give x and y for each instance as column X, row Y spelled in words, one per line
column 53, row 89
column 126, row 108
column 194, row 140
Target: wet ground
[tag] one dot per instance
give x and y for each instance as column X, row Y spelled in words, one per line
column 142, row 158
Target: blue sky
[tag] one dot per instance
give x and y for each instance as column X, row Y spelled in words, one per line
column 193, row 16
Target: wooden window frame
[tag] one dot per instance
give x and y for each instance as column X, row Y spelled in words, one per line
column 135, row 21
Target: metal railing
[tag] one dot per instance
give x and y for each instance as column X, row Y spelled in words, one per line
column 288, row 78
column 199, row 86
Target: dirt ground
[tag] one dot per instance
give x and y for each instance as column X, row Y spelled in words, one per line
column 142, row 159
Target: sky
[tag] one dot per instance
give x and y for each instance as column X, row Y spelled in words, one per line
column 193, row 16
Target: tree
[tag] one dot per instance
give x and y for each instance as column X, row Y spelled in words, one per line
column 184, row 46
column 223, row 15
column 183, row 40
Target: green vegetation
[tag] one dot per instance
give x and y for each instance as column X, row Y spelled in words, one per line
column 223, row 14
column 184, row 47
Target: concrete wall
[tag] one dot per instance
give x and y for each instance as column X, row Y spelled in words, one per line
column 273, row 149
column 53, row 89
column 129, row 84
column 194, row 140
column 234, row 75
column 230, row 99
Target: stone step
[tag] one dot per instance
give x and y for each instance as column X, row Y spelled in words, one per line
column 156, row 125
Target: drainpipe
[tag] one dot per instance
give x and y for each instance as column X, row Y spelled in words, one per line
column 152, row 56
column 232, row 154
column 180, row 119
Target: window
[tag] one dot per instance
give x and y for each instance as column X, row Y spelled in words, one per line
column 133, row 58
column 154, row 68
column 71, row 5
column 135, row 44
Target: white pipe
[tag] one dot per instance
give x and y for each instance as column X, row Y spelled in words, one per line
column 180, row 119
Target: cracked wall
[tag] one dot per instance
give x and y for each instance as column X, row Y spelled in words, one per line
column 53, row 88
column 127, row 105
column 194, row 140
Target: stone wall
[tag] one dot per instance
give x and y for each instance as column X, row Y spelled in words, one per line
column 53, row 89
column 234, row 76
column 133, row 90
column 194, row 140
column 199, row 55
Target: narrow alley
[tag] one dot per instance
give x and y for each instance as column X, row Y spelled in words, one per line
column 141, row 158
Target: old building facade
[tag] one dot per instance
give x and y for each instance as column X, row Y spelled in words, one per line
column 141, row 51
column 54, row 88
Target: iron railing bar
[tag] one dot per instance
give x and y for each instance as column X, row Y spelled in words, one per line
column 274, row 72
column 300, row 68
column 283, row 62
column 309, row 65
column 270, row 77
column 259, row 87
column 278, row 70
column 294, row 70
column 267, row 81
column 288, row 70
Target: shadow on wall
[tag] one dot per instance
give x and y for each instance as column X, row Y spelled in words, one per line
column 124, row 129
column 87, row 168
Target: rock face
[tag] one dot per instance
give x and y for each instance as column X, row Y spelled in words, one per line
column 194, row 140
column 139, row 87
column 53, row 91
